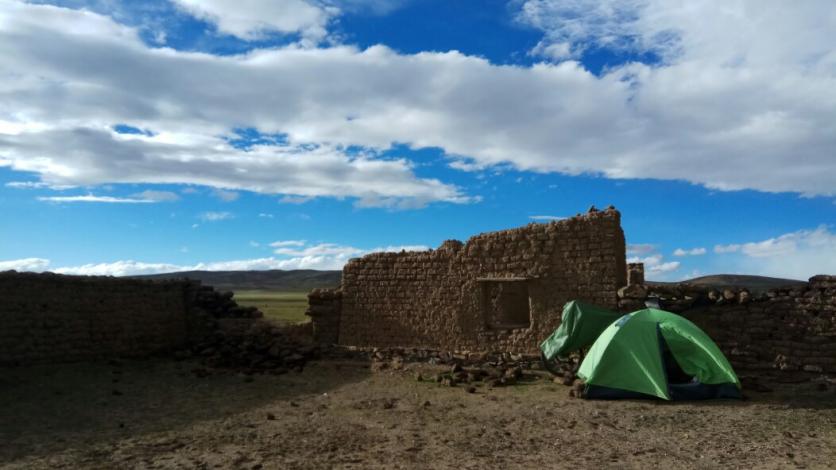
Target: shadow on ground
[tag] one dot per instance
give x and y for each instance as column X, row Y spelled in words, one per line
column 50, row 408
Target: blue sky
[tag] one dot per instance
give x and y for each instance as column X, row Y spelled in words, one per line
column 140, row 137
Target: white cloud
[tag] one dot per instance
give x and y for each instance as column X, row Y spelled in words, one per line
column 664, row 267
column 253, row 19
column 224, row 195
column 94, row 198
column 324, row 256
column 157, row 196
column 692, row 252
column 398, row 248
column 215, row 216
column 654, row 265
column 744, row 99
column 640, row 248
column 119, row 268
column 322, row 249
column 720, row 249
column 573, row 26
column 265, row 215
column 286, row 243
column 796, row 255
column 34, row 185
column 327, row 255
column 540, row 218
column 294, row 199
column 25, row 264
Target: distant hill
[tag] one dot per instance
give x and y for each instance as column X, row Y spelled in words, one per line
column 301, row 280
column 753, row 283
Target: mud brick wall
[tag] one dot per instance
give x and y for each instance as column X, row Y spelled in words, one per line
column 786, row 331
column 474, row 296
column 55, row 318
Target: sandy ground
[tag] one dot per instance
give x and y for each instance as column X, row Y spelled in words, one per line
column 155, row 414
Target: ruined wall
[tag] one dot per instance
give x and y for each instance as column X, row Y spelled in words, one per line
column 324, row 307
column 787, row 331
column 476, row 296
column 55, row 318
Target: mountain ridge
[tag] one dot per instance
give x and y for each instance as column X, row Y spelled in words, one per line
column 304, row 280
column 296, row 280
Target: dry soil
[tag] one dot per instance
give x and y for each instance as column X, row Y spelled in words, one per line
column 156, row 414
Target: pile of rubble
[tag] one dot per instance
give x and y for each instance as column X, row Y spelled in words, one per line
column 382, row 357
column 260, row 348
column 467, row 369
column 241, row 340
column 221, row 305
column 490, row 376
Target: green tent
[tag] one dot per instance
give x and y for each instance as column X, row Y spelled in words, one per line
column 579, row 327
column 660, row 354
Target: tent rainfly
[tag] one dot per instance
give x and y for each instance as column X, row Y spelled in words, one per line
column 580, row 326
column 654, row 353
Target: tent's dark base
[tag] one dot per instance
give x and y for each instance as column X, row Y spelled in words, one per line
column 689, row 391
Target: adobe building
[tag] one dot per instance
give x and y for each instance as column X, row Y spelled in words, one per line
column 499, row 291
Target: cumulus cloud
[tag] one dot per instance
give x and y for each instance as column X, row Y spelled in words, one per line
column 94, row 198
column 34, row 185
column 157, row 196
column 545, row 218
column 286, row 243
column 664, row 267
column 323, row 249
column 640, row 248
column 254, row 19
column 573, row 26
column 119, row 268
column 796, row 255
column 692, row 252
column 225, row 196
column 25, row 264
column 720, row 249
column 323, row 256
column 654, row 264
column 216, row 216
column 736, row 103
column 294, row 199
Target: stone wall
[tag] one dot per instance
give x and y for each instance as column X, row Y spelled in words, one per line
column 787, row 331
column 500, row 291
column 55, row 318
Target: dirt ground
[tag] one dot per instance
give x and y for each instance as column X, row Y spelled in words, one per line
column 155, row 414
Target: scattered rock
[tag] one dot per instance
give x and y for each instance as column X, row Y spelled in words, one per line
column 257, row 347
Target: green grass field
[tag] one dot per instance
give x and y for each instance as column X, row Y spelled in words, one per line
column 284, row 307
